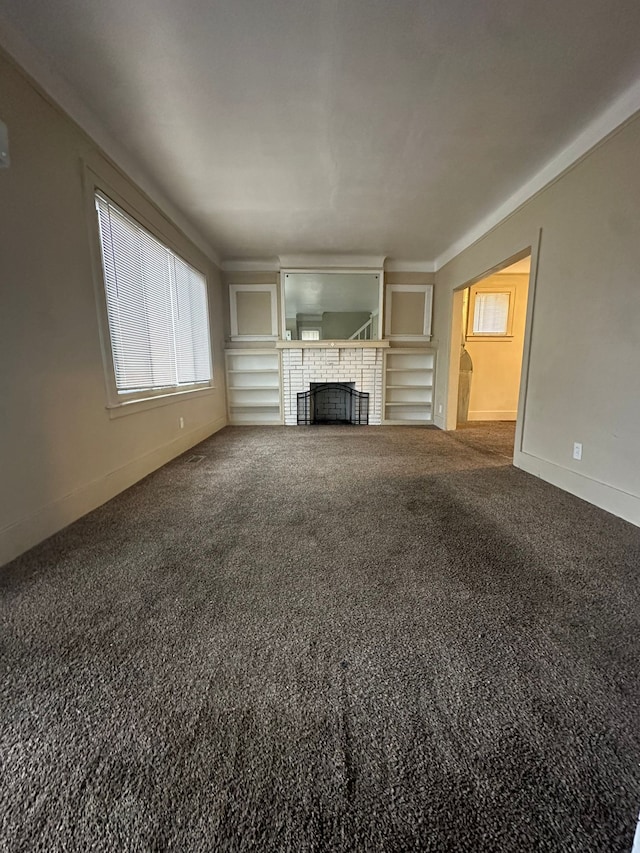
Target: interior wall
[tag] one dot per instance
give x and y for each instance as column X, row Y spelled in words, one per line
column 262, row 318
column 581, row 359
column 340, row 325
column 407, row 312
column 438, row 307
column 253, row 312
column 303, row 322
column 497, row 362
column 61, row 454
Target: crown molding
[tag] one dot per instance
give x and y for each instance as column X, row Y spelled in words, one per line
column 410, row 266
column 58, row 92
column 61, row 96
column 326, row 262
column 618, row 113
column 342, row 262
column 267, row 265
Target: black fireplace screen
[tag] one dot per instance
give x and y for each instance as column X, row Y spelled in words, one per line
column 333, row 403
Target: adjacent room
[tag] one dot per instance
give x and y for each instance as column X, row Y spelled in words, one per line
column 494, row 314
column 319, row 471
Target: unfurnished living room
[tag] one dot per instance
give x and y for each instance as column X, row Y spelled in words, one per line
column 320, row 458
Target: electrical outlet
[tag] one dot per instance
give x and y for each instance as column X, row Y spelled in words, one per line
column 440, row 408
column 577, row 450
column 181, row 422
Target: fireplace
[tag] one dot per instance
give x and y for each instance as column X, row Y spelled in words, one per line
column 358, row 363
column 333, row 403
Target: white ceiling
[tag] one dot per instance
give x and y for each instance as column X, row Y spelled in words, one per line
column 323, row 126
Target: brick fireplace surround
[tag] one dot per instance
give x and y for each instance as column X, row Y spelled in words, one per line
column 360, row 362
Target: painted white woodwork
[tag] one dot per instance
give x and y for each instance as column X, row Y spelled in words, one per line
column 408, row 386
column 271, row 322
column 393, row 292
column 254, row 393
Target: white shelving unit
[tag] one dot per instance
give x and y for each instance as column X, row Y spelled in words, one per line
column 253, row 386
column 408, row 385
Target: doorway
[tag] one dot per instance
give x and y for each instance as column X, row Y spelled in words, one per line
column 490, row 322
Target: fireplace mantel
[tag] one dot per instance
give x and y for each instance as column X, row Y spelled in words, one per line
column 332, row 344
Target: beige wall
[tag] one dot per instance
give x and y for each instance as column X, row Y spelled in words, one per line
column 340, row 325
column 414, row 278
column 496, row 363
column 584, row 348
column 253, row 312
column 264, row 320
column 60, row 452
column 407, row 312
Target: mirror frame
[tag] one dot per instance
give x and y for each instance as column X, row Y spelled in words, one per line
column 332, row 271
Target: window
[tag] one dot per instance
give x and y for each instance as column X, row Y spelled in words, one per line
column 156, row 308
column 491, row 313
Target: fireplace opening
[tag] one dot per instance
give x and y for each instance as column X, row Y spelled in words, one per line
column 333, row 403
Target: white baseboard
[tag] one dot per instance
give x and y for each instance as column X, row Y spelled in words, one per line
column 24, row 534
column 492, row 416
column 615, row 501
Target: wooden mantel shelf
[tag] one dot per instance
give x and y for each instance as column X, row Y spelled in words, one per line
column 331, row 344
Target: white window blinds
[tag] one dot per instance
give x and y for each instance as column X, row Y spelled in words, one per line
column 491, row 314
column 156, row 306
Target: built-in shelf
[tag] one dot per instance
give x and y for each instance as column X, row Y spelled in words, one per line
column 408, row 386
column 390, row 387
column 253, row 386
column 253, row 370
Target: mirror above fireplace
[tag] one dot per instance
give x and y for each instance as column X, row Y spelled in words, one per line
column 334, row 306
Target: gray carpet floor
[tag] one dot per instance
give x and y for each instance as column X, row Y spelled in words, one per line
column 325, row 639
column 487, row 436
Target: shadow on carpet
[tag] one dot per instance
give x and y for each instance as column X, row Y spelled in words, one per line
column 325, row 639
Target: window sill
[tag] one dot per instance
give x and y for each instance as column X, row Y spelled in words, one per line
column 132, row 407
column 493, row 338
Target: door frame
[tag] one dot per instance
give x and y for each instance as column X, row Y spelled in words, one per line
column 456, row 331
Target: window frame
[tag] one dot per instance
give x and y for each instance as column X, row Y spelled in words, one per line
column 476, row 290
column 314, row 334
column 129, row 402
